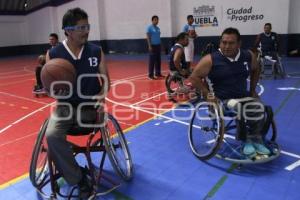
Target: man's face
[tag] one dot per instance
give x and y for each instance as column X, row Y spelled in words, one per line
column 53, row 41
column 229, row 45
column 190, row 21
column 267, row 29
column 155, row 21
column 185, row 41
column 80, row 32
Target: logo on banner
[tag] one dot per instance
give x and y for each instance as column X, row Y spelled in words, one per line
column 243, row 14
column 205, row 16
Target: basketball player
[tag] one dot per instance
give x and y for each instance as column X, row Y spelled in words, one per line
column 189, row 28
column 268, row 41
column 53, row 41
column 88, row 60
column 177, row 62
column 226, row 72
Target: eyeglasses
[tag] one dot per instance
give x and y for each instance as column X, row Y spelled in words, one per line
column 80, row 28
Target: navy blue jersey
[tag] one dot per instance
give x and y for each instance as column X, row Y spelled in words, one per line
column 87, row 64
column 171, row 58
column 268, row 42
column 229, row 79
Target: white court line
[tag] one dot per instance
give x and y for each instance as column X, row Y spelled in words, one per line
column 24, row 117
column 293, row 166
column 15, row 76
column 187, row 124
column 12, row 83
column 147, row 99
column 23, row 98
column 15, row 71
column 18, row 139
column 32, row 113
column 133, row 78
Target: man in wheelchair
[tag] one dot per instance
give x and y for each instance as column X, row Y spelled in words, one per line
column 226, row 72
column 69, row 111
column 267, row 44
column 178, row 66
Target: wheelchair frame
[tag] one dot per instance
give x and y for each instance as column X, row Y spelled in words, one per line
column 172, row 83
column 221, row 135
column 43, row 171
column 276, row 65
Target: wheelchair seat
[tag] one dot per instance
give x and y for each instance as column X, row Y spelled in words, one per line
column 103, row 140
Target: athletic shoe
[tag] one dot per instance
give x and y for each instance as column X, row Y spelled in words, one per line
column 261, row 149
column 249, row 149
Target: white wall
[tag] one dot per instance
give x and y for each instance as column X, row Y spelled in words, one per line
column 128, row 19
column 12, row 31
column 90, row 6
column 39, row 24
column 294, row 17
column 273, row 11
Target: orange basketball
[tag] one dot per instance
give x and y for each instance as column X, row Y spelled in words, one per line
column 58, row 74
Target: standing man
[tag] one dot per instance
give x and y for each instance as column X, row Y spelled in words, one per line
column 88, row 61
column 226, row 72
column 189, row 28
column 154, row 48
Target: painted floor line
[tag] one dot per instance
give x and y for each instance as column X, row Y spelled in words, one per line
column 24, row 117
column 23, row 98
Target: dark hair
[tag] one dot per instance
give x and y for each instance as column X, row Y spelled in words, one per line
column 54, row 35
column 268, row 24
column 234, row 31
column 153, row 17
column 72, row 16
column 181, row 36
column 189, row 17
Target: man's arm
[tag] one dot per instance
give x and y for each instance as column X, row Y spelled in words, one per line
column 277, row 43
column 47, row 56
column 177, row 59
column 201, row 71
column 148, row 38
column 254, row 75
column 257, row 41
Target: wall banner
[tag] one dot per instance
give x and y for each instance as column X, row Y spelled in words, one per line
column 205, row 16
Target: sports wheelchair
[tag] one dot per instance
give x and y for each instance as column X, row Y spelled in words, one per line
column 215, row 131
column 178, row 86
column 108, row 139
column 271, row 65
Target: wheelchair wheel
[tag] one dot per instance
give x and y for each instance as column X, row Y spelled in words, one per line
column 206, row 130
column 38, row 172
column 279, row 69
column 117, row 148
column 172, row 83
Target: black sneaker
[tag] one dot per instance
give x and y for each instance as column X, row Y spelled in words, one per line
column 85, row 185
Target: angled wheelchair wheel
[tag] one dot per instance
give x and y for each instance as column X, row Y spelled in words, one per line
column 280, row 69
column 38, row 172
column 117, row 148
column 172, row 83
column 206, row 130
